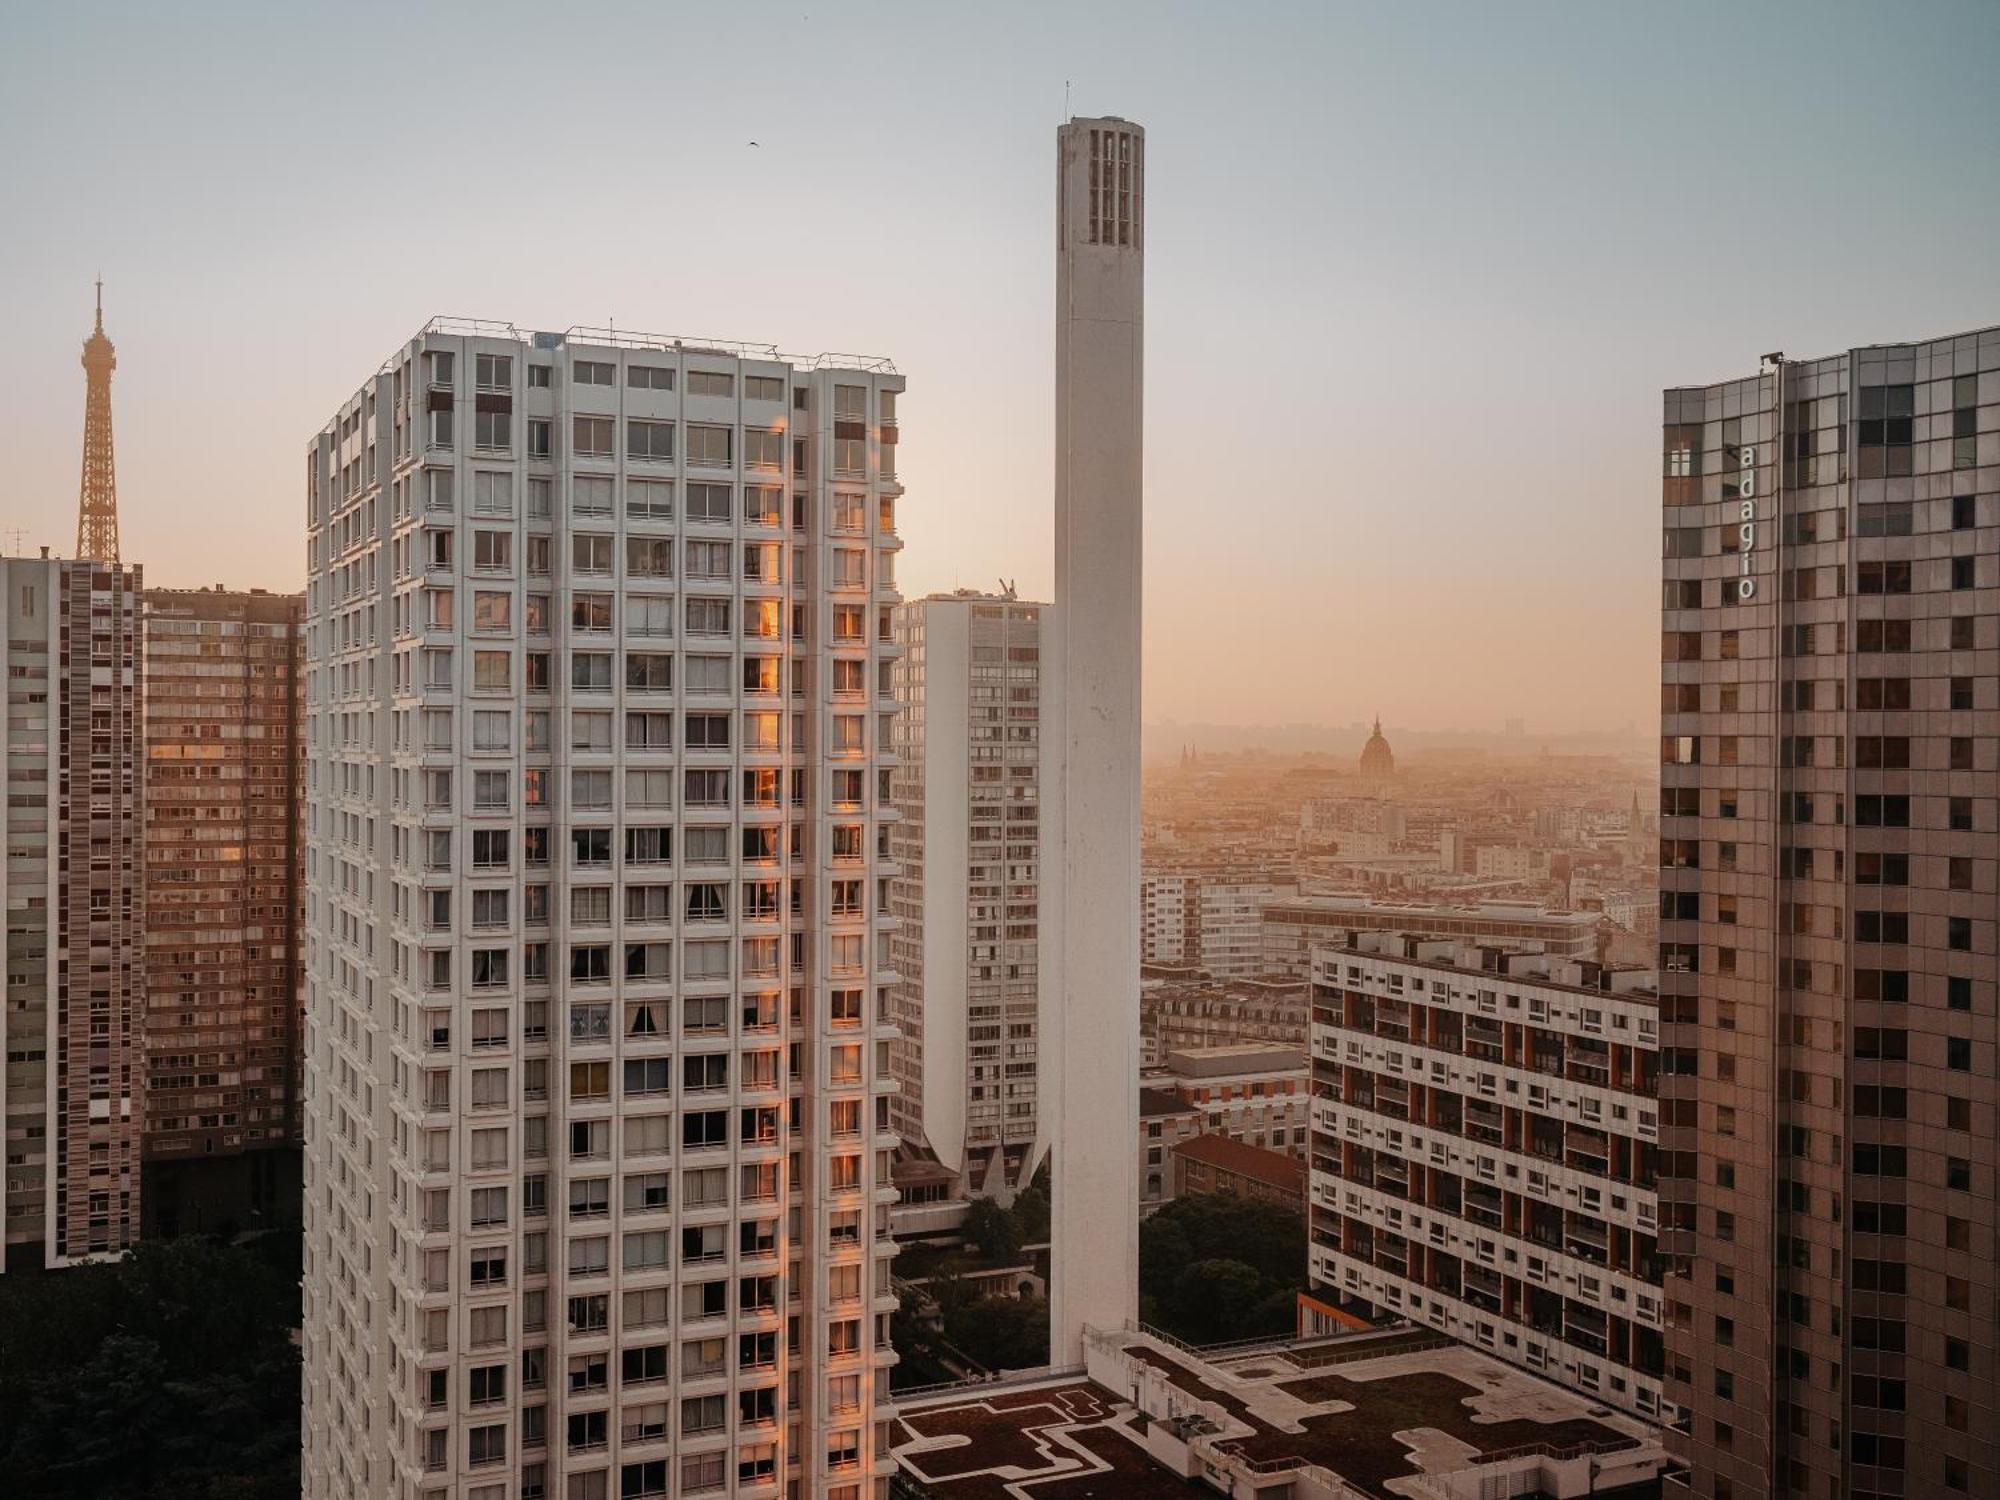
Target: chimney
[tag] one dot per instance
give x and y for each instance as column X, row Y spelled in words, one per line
column 1090, row 991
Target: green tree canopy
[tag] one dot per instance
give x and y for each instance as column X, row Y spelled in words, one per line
column 1216, row 1266
column 168, row 1375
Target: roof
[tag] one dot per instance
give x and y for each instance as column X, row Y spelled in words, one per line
column 1233, row 1059
column 1154, row 1102
column 1258, row 1163
column 1380, row 1410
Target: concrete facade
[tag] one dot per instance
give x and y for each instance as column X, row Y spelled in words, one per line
column 224, row 896
column 1484, row 1152
column 74, row 890
column 967, row 843
column 598, row 1141
column 1090, row 1021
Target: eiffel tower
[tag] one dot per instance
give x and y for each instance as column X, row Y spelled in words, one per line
column 97, row 504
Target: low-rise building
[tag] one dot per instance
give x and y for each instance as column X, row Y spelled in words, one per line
column 1484, row 1144
column 1165, row 1120
column 1204, row 1013
column 1364, row 1416
column 1217, row 1164
column 1253, row 1092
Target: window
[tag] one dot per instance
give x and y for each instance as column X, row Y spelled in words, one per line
column 707, row 731
column 591, row 437
column 649, row 499
column 708, row 617
column 593, row 372
column 763, row 448
column 709, row 559
column 709, row 503
column 653, row 441
column 493, row 431
column 649, row 615
column 590, row 670
column 649, row 557
column 711, row 383
column 708, row 446
column 648, row 846
column 591, row 553
column 649, row 377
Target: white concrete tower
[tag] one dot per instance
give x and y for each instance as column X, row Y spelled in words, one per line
column 1090, row 1023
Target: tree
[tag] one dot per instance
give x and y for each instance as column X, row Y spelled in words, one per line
column 168, row 1375
column 1002, row 1333
column 1031, row 1212
column 991, row 1229
column 1216, row 1266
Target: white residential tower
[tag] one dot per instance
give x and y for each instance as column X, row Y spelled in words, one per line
column 967, row 843
column 597, row 1143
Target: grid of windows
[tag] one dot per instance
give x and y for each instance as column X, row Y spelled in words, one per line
column 581, row 922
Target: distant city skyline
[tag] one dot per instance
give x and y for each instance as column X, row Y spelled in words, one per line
column 1425, row 273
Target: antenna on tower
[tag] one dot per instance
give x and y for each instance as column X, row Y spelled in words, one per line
column 14, row 535
column 1067, row 113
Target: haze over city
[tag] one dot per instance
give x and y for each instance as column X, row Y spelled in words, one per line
column 1419, row 275
column 1103, row 751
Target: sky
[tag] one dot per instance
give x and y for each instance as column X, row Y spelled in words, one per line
column 1416, row 276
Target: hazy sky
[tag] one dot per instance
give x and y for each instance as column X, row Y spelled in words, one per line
column 1416, row 275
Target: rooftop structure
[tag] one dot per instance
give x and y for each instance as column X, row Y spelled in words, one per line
column 1374, row 1416
column 1296, row 925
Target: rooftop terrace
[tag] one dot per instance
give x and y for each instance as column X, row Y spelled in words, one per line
column 1369, row 1415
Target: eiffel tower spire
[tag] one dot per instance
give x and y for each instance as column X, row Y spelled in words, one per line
column 97, row 502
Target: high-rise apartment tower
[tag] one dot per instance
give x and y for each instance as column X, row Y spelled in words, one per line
column 74, row 891
column 223, row 903
column 967, row 842
column 598, row 1136
column 1829, row 849
column 1090, row 1020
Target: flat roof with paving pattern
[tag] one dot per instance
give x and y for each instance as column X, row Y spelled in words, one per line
column 1376, row 1410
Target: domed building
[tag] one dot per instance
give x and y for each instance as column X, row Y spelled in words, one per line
column 1378, row 761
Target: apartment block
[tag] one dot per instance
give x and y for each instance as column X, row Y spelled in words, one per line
column 224, row 901
column 1829, row 855
column 599, row 747
column 1484, row 1141
column 1170, row 923
column 1178, row 1014
column 74, row 1021
column 1209, row 918
column 1246, row 1090
column 1295, row 926
column 966, row 841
